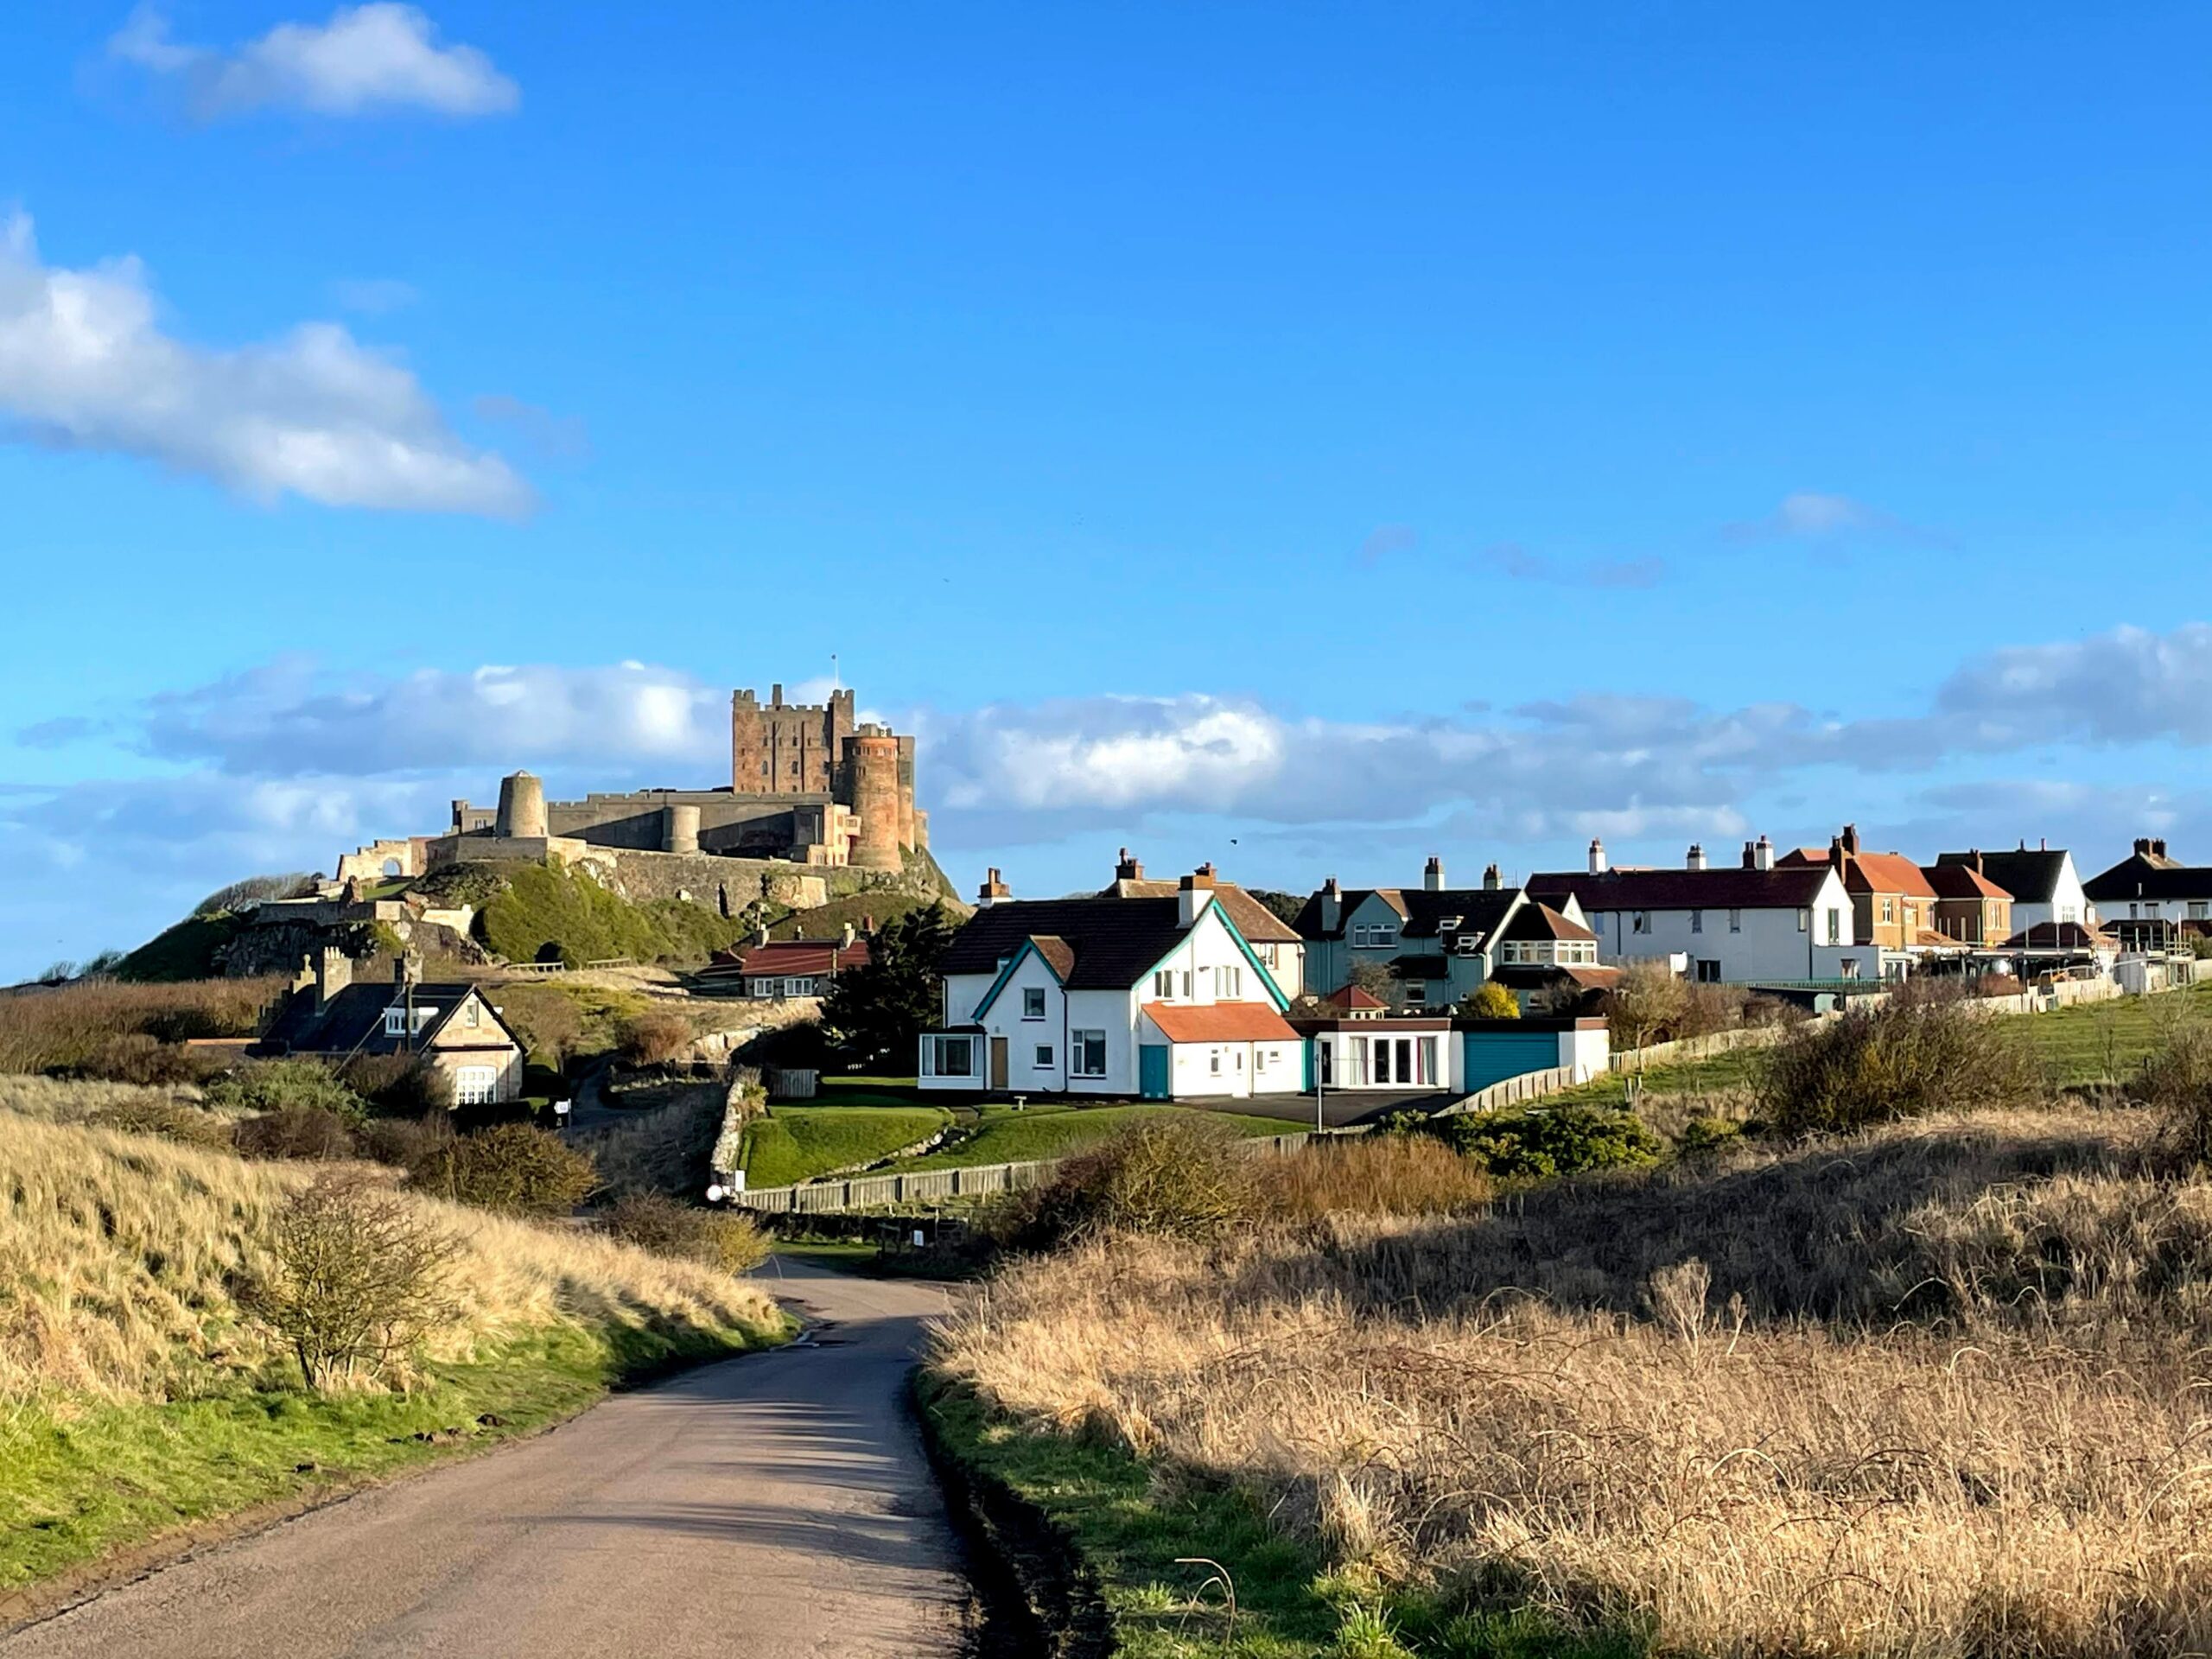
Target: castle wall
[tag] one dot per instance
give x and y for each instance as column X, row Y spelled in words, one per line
column 781, row 749
column 725, row 886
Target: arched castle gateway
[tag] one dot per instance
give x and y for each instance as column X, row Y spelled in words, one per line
column 809, row 784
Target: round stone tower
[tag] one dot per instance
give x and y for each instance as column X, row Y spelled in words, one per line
column 679, row 828
column 875, row 754
column 522, row 808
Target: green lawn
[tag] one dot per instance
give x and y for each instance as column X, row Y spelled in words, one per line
column 1005, row 1135
column 75, row 1485
column 799, row 1143
column 1131, row 1527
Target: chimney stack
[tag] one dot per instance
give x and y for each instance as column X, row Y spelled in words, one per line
column 2158, row 847
column 1491, row 879
column 993, row 890
column 1851, row 839
column 1762, row 855
column 1432, row 874
column 1332, row 901
column 1696, row 859
column 1597, row 856
column 1193, row 894
column 1836, row 852
column 334, row 972
column 1751, row 860
column 1127, row 868
column 845, row 939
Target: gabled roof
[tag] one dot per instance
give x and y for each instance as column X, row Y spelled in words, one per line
column 2144, row 876
column 2061, row 936
column 1962, row 881
column 1538, row 920
column 1091, row 944
column 2029, row 876
column 1219, row 1022
column 1253, row 920
column 1719, row 888
column 353, row 1021
column 1352, row 998
column 1872, row 873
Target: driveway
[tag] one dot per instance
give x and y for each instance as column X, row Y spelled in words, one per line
column 1339, row 1107
column 778, row 1505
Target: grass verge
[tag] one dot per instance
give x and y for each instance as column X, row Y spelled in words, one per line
column 79, row 1480
column 1132, row 1534
column 799, row 1143
column 1004, row 1135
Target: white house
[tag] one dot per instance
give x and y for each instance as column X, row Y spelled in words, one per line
column 1156, row 997
column 1750, row 924
column 1276, row 943
column 2044, row 885
column 1438, row 942
column 2150, row 899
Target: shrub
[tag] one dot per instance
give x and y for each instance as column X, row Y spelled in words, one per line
column 2176, row 1080
column 1491, row 1001
column 284, row 1085
column 1923, row 1049
column 655, row 1037
column 173, row 1119
column 405, row 1142
column 516, row 1168
column 721, row 1239
column 1563, row 1141
column 1702, row 1135
column 398, row 1086
column 1180, row 1178
column 354, row 1277
column 1375, row 1175
column 140, row 1059
column 314, row 1133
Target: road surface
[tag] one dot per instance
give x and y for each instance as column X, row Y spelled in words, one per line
column 776, row 1505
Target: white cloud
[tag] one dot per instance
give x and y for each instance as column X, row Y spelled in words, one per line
column 84, row 365
column 2122, row 687
column 285, row 719
column 365, row 59
column 1809, row 515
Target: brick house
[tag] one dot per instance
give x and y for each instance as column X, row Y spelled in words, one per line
column 1893, row 905
column 1970, row 907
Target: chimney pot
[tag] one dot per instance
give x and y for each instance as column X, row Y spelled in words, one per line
column 1597, row 856
column 1695, row 861
column 1491, row 879
column 1432, row 875
column 1851, row 839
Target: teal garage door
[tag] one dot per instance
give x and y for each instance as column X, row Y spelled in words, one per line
column 1152, row 1071
column 1494, row 1056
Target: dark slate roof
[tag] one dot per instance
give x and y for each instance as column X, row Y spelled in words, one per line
column 1108, row 943
column 2141, row 877
column 1425, row 915
column 1537, row 920
column 1722, row 888
column 1964, row 881
column 2030, row 877
column 1421, row 967
column 353, row 1020
column 1253, row 920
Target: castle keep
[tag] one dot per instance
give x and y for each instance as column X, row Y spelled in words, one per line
column 809, row 784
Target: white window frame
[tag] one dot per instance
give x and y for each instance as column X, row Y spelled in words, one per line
column 1078, row 1053
column 1416, row 994
column 1163, row 985
column 1229, row 983
column 1735, row 920
column 1033, row 996
column 1043, row 1059
column 475, row 1085
column 933, row 1047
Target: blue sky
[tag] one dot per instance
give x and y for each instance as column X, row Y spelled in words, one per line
column 1353, row 432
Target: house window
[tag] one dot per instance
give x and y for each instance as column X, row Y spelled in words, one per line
column 475, row 1085
column 1416, row 994
column 1424, row 1053
column 1697, row 921
column 472, row 1015
column 1835, row 926
column 395, row 1019
column 1708, row 972
column 798, row 987
column 1213, row 1056
column 1639, row 921
column 2150, row 910
column 1186, row 984
column 948, row 1056
column 2197, row 910
column 1033, row 1002
column 2131, row 912
column 1804, row 920
column 1229, row 983
column 1889, row 909
column 1163, row 985
column 1043, row 1057
column 1259, row 1059
column 1087, row 1053
column 1851, row 968
column 1735, row 921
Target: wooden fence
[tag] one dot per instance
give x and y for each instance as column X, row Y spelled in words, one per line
column 891, row 1190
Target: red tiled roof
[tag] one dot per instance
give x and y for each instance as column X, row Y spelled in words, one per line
column 799, row 956
column 1866, row 872
column 1219, row 1022
column 1352, row 996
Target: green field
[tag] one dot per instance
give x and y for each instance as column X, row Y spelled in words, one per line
column 2087, row 1046
column 1004, row 1135
column 799, row 1143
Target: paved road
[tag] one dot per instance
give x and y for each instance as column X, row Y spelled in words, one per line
column 776, row 1506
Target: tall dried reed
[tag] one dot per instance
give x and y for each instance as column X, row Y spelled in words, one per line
column 1931, row 1391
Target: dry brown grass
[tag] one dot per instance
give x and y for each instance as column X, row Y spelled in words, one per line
column 1933, row 1391
column 120, row 1254
column 1376, row 1175
column 52, row 1029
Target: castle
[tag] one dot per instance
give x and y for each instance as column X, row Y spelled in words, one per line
column 808, row 784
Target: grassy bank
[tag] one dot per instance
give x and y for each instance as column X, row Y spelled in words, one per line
column 801, row 1143
column 1004, row 1135
column 139, row 1393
